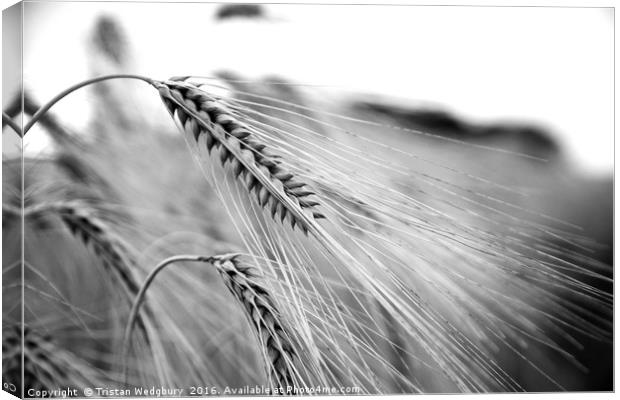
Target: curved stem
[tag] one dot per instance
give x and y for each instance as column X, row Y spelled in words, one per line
column 75, row 87
column 6, row 119
column 135, row 309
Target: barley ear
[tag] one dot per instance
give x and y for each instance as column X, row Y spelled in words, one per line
column 82, row 221
column 275, row 189
column 274, row 337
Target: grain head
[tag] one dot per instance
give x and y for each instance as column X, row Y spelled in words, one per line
column 275, row 189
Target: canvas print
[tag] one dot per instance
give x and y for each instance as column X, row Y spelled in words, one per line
column 210, row 199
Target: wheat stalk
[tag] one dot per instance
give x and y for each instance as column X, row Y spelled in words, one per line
column 274, row 337
column 275, row 188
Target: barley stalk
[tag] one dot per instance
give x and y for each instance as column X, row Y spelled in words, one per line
column 274, row 337
column 275, row 188
column 6, row 120
column 44, row 108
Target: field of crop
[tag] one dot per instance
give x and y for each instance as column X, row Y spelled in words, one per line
column 227, row 235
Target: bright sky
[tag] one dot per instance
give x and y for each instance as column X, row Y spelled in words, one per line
column 551, row 66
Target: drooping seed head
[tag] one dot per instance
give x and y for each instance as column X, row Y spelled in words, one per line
column 243, row 282
column 84, row 224
column 275, row 189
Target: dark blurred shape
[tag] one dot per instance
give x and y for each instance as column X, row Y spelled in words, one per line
column 229, row 76
column 530, row 139
column 15, row 106
column 109, row 39
column 11, row 357
column 10, row 213
column 277, row 101
column 283, row 89
column 229, row 11
column 74, row 166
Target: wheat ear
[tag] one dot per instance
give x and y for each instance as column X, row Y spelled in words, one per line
column 243, row 282
column 275, row 188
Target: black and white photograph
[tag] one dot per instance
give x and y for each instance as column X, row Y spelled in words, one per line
column 246, row 199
